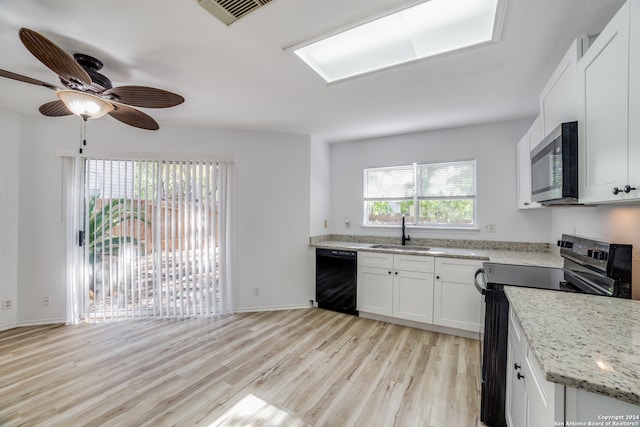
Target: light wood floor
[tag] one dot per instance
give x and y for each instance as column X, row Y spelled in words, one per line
column 291, row 368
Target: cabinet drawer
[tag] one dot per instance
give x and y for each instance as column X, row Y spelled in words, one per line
column 422, row 264
column 458, row 270
column 375, row 259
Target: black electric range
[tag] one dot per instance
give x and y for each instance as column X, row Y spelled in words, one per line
column 590, row 267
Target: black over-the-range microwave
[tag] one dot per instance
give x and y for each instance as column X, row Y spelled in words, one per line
column 554, row 167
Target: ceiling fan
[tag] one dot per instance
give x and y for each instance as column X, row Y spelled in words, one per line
column 85, row 91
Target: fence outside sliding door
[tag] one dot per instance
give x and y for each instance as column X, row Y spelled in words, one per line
column 155, row 239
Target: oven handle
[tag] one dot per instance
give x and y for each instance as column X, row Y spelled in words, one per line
column 480, row 289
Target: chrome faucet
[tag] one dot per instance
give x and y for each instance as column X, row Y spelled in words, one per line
column 405, row 238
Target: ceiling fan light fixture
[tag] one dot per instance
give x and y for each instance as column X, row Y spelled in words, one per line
column 84, row 104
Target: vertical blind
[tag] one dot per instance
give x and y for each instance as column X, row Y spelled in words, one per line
column 156, row 239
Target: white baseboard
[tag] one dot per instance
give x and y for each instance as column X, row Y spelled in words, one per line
column 270, row 308
column 40, row 322
column 7, row 326
column 418, row 325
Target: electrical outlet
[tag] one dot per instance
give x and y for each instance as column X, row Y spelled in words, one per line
column 7, row 304
column 256, row 292
column 490, row 228
column 46, row 301
column 325, row 224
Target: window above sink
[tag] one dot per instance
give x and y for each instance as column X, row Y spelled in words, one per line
column 428, row 195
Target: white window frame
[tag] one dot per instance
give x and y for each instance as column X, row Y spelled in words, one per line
column 416, row 198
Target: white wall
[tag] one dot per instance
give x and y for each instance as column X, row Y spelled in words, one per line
column 320, row 188
column 271, row 222
column 494, row 148
column 611, row 223
column 9, row 169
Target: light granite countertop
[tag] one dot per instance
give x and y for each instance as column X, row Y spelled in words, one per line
column 522, row 257
column 572, row 334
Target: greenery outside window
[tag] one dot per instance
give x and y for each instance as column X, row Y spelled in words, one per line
column 428, row 195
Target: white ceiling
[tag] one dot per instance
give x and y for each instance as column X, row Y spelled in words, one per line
column 240, row 77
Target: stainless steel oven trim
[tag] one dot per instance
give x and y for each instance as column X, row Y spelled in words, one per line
column 481, row 289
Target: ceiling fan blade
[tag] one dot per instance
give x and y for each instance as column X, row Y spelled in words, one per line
column 54, row 58
column 146, row 97
column 55, row 109
column 25, row 79
column 133, row 117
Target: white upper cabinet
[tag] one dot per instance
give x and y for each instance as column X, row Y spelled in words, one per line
column 608, row 143
column 634, row 99
column 534, row 134
column 559, row 100
column 526, row 144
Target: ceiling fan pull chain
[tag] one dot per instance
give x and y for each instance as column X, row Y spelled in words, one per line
column 83, row 133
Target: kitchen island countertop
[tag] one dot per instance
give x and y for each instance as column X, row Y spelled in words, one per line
column 574, row 336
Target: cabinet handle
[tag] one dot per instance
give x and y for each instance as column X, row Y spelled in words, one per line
column 627, row 189
column 396, row 273
column 389, row 272
column 438, row 277
column 520, row 376
column 516, row 366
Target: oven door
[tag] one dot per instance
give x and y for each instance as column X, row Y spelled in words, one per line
column 493, row 351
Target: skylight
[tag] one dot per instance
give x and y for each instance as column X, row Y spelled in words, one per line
column 427, row 29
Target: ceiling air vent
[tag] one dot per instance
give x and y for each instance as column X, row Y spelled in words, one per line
column 229, row 11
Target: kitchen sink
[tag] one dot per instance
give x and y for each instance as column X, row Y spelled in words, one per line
column 402, row 248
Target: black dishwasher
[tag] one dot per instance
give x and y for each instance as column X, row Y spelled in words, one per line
column 336, row 280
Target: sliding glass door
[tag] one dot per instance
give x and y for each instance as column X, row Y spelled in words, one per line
column 154, row 239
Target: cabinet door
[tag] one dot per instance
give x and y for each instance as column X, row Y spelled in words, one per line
column 541, row 408
column 375, row 290
column 413, row 296
column 634, row 100
column 457, row 302
column 583, row 406
column 528, row 142
column 535, row 135
column 516, row 397
column 524, row 176
column 603, row 143
column 559, row 99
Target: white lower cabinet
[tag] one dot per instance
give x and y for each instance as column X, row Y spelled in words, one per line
column 375, row 290
column 457, row 303
column 516, row 397
column 396, row 285
column 413, row 295
column 530, row 400
column 582, row 407
column 430, row 290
